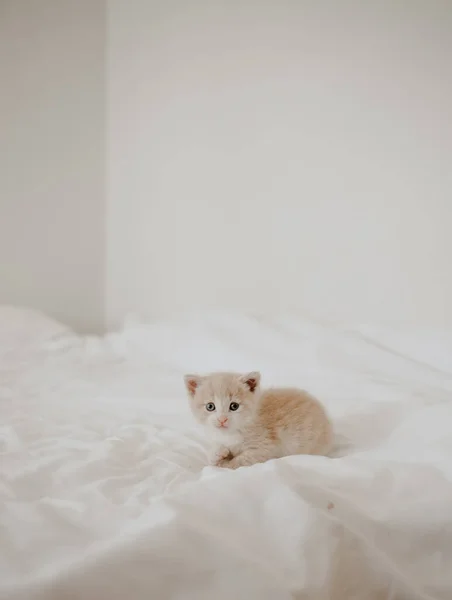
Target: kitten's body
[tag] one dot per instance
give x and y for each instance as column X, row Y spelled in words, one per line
column 265, row 425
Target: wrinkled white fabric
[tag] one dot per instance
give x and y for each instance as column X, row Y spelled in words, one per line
column 104, row 492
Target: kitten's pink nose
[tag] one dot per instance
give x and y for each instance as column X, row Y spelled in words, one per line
column 222, row 421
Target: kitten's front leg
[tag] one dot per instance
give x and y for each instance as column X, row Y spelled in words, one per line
column 247, row 458
column 219, row 454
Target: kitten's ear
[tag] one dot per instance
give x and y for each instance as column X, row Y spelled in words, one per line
column 192, row 382
column 251, row 380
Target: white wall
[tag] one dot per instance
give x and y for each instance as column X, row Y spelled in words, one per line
column 262, row 155
column 281, row 155
column 52, row 158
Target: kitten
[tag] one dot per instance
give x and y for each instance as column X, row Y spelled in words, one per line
column 252, row 426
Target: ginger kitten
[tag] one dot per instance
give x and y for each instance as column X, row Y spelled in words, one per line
column 252, row 426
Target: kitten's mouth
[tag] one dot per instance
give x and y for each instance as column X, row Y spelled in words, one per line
column 222, row 425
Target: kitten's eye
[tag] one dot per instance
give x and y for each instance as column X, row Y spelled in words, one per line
column 233, row 406
column 210, row 406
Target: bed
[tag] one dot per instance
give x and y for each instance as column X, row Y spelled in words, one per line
column 105, row 492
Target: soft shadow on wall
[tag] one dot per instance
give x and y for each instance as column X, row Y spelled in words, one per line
column 52, row 167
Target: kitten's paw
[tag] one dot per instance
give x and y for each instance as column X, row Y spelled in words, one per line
column 220, row 455
column 228, row 463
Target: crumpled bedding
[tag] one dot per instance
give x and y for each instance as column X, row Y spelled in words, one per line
column 105, row 492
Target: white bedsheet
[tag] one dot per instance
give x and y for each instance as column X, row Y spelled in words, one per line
column 104, row 492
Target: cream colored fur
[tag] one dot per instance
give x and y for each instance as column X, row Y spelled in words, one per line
column 266, row 424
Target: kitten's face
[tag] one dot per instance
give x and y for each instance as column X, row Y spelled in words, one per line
column 223, row 402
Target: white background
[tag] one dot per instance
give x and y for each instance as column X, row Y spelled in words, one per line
column 265, row 156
